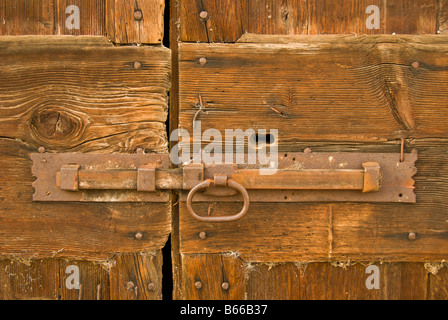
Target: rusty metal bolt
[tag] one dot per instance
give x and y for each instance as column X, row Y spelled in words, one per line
column 203, row 15
column 41, row 150
column 137, row 65
column 138, row 235
column 138, row 15
column 225, row 286
column 416, row 65
column 151, row 286
column 198, row 285
column 412, row 236
column 202, row 61
column 203, row 235
column 130, row 285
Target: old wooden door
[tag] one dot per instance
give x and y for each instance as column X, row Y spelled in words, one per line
column 331, row 76
column 98, row 93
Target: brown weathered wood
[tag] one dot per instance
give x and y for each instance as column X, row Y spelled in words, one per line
column 325, row 232
column 411, row 17
column 438, row 277
column 230, row 19
column 137, row 276
column 343, row 17
column 204, row 275
column 112, row 18
column 331, row 88
column 274, row 232
column 45, row 279
column 340, row 280
column 443, row 16
column 122, row 27
column 78, row 94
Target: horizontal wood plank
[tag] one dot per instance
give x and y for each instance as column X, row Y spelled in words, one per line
column 78, row 94
column 319, row 88
column 327, row 232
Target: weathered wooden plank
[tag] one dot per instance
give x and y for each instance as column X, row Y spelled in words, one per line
column 443, row 17
column 260, row 235
column 344, row 17
column 411, row 17
column 277, row 17
column 78, row 94
column 124, row 277
column 212, row 277
column 23, row 279
column 137, row 276
column 438, row 277
column 325, row 232
column 124, row 26
column 228, row 20
column 114, row 18
column 330, row 88
column 340, row 280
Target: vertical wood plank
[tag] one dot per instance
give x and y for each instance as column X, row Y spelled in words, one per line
column 137, row 276
column 442, row 23
column 342, row 17
column 93, row 280
column 91, row 17
column 411, row 17
column 122, row 27
column 438, row 283
column 204, row 275
column 290, row 17
column 26, row 279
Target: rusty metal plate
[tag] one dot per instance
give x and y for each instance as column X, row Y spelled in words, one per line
column 47, row 165
column 397, row 183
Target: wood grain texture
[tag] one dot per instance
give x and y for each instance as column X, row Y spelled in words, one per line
column 121, row 26
column 443, row 16
column 133, row 274
column 327, row 232
column 323, row 281
column 112, row 18
column 339, row 280
column 78, row 94
column 228, row 20
column 45, row 279
column 211, row 271
column 411, row 17
column 324, row 88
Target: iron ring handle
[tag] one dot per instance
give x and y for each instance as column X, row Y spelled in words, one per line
column 231, row 184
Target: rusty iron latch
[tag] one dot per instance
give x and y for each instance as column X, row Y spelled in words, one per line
column 300, row 177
